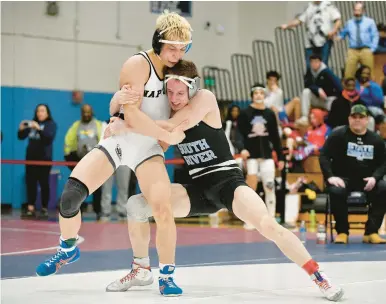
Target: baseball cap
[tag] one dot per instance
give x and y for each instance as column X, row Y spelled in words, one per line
column 359, row 109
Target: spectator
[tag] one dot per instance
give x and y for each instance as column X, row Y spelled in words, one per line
column 370, row 92
column 315, row 136
column 122, row 177
column 232, row 131
column 322, row 87
column 322, row 20
column 258, row 126
column 341, row 107
column 353, row 159
column 382, row 38
column 41, row 131
column 275, row 100
column 363, row 41
column 82, row 136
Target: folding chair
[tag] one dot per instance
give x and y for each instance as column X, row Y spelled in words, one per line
column 357, row 204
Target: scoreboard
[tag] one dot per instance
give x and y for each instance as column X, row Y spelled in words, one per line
column 184, row 8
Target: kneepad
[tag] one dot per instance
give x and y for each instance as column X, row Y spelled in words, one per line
column 74, row 194
column 138, row 209
column 270, row 185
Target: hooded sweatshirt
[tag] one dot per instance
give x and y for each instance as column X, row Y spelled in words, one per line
column 324, row 79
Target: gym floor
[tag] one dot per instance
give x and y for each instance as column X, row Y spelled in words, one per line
column 226, row 264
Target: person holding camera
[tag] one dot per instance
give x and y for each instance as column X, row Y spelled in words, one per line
column 81, row 138
column 41, row 131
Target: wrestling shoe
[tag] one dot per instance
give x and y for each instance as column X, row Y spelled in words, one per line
column 167, row 287
column 332, row 293
column 64, row 255
column 138, row 276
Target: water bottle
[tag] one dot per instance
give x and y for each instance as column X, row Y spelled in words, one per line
column 321, row 235
column 312, row 221
column 303, row 232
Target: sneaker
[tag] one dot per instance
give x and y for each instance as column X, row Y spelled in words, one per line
column 167, row 287
column 373, row 238
column 43, row 214
column 331, row 293
column 65, row 255
column 138, row 276
column 28, row 215
column 342, row 238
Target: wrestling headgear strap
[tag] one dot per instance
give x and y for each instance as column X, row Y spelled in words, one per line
column 158, row 41
column 192, row 83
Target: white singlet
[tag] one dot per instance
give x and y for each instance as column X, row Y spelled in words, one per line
column 133, row 149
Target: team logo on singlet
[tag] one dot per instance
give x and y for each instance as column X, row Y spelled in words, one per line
column 153, row 94
column 258, row 127
column 196, row 152
column 118, row 150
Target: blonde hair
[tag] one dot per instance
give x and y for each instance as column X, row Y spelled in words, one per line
column 174, row 27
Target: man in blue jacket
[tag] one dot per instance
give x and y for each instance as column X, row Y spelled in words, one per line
column 321, row 87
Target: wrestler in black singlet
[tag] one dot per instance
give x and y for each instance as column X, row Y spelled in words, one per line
column 214, row 172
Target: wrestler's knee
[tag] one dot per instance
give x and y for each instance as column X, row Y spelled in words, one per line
column 159, row 199
column 138, row 209
column 74, row 194
column 268, row 227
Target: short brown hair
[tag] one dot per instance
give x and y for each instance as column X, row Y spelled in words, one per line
column 183, row 68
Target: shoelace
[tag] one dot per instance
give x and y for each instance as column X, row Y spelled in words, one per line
column 323, row 284
column 55, row 257
column 129, row 276
column 169, row 282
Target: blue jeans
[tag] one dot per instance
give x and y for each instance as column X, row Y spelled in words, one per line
column 323, row 51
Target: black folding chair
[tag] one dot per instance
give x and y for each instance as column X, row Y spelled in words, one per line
column 357, row 204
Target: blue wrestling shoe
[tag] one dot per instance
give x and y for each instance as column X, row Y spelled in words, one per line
column 65, row 255
column 167, row 287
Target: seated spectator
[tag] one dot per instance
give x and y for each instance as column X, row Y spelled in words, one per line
column 382, row 39
column 41, row 131
column 370, row 92
column 275, row 100
column 341, row 107
column 315, row 137
column 353, row 159
column 322, row 87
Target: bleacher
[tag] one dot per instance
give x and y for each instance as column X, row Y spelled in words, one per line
column 232, row 87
